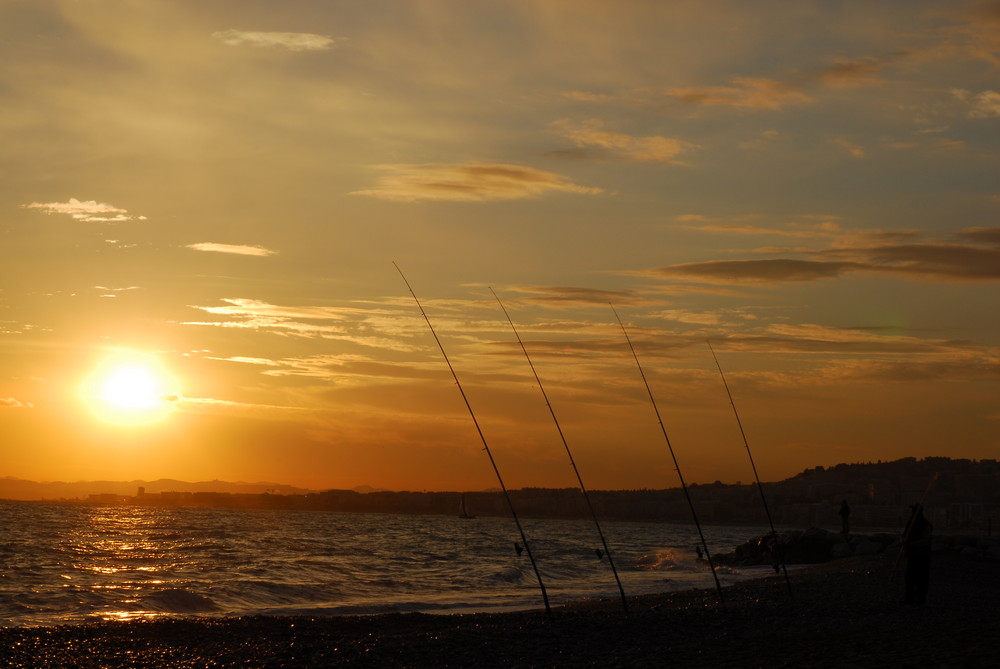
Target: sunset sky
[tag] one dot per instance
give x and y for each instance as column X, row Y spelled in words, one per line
column 201, row 204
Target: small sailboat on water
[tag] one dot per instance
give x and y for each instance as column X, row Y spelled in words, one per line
column 463, row 510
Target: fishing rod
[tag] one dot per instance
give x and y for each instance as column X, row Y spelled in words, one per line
column 677, row 467
column 760, row 488
column 486, row 447
column 579, row 479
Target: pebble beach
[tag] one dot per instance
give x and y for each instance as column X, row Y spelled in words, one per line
column 844, row 613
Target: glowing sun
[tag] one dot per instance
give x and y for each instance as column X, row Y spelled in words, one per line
column 130, row 388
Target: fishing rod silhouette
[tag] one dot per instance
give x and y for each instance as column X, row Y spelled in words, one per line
column 486, row 447
column 583, row 488
column 760, row 487
column 670, row 448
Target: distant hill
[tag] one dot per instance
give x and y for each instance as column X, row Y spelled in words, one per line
column 21, row 489
column 957, row 493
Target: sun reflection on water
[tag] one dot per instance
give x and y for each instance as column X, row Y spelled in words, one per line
column 117, row 557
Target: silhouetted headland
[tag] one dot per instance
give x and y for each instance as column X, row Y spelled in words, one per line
column 964, row 495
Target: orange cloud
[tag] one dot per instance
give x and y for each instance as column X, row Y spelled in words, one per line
column 586, row 96
column 750, row 92
column 815, row 226
column 640, row 149
column 469, row 183
column 984, row 105
column 982, row 235
column 853, row 149
column 851, row 73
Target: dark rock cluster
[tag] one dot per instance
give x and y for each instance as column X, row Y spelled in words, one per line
column 815, row 545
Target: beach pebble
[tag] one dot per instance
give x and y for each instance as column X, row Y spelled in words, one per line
column 868, row 547
column 840, row 550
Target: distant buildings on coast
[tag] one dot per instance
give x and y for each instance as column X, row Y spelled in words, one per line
column 958, row 494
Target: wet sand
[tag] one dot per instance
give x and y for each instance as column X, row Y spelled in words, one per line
column 845, row 613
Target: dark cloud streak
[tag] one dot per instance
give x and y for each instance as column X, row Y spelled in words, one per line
column 978, row 260
column 775, row 270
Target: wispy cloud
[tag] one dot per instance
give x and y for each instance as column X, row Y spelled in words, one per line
column 974, row 35
column 277, row 325
column 217, row 405
column 236, row 249
column 347, row 370
column 13, row 403
column 873, row 355
column 266, row 362
column 89, row 210
column 258, row 315
column 290, row 41
column 855, row 150
column 587, row 96
column 980, row 105
column 355, row 325
column 761, row 140
column 107, row 291
column 591, row 133
column 812, row 226
column 558, row 296
column 749, row 92
column 341, row 369
column 690, row 317
column 469, row 183
column 851, row 73
column 982, row 235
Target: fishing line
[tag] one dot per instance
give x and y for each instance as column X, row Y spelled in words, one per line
column 753, row 466
column 677, row 467
column 579, row 479
column 486, row 447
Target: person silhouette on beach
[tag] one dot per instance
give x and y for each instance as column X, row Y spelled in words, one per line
column 845, row 515
column 917, row 548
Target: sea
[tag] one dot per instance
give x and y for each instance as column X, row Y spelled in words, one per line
column 63, row 563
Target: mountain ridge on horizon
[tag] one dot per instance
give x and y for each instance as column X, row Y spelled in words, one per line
column 13, row 488
column 27, row 490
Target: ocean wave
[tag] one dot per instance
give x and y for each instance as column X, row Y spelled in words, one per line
column 178, row 600
column 67, row 562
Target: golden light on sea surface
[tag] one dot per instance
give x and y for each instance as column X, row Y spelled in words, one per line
column 130, row 388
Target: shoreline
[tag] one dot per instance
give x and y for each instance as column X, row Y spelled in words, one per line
column 845, row 613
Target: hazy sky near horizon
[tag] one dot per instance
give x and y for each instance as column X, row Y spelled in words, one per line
column 202, row 203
